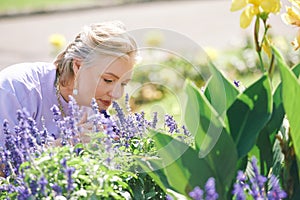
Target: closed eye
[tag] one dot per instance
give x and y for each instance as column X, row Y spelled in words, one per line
column 108, row 80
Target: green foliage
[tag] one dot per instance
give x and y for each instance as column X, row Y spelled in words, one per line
column 91, row 178
column 290, row 96
column 249, row 113
column 20, row 5
column 226, row 132
column 220, row 92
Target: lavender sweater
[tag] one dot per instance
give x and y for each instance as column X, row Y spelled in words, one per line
column 29, row 85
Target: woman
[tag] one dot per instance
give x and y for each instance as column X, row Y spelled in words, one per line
column 97, row 64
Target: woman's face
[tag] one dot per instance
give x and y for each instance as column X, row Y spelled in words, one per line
column 104, row 80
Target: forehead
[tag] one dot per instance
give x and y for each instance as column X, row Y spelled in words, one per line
column 119, row 66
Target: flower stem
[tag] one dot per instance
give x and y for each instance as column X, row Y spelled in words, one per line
column 257, row 44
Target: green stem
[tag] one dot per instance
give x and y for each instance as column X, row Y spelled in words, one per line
column 257, row 44
column 271, row 67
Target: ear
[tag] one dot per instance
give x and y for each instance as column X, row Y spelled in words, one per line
column 76, row 65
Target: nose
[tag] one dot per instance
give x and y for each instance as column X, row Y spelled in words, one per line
column 116, row 92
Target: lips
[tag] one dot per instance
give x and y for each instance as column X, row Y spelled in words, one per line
column 105, row 102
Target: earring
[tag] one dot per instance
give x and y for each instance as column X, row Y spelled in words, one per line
column 75, row 91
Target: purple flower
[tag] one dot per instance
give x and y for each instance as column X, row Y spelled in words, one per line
column 63, row 162
column 33, row 187
column 57, row 189
column 78, row 151
column 56, row 113
column 239, row 186
column 109, row 127
column 171, row 124
column 127, row 103
column 275, row 193
column 23, row 193
column 120, row 113
column 168, row 197
column 196, row 193
column 258, row 181
column 154, row 120
column 210, row 189
column 43, row 183
column 237, row 83
column 6, row 127
column 185, row 131
column 69, row 172
column 255, row 186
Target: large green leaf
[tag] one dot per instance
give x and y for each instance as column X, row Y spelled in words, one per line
column 220, row 92
column 223, row 160
column 185, row 170
column 181, row 164
column 266, row 139
column 291, row 103
column 249, row 113
column 201, row 119
column 211, row 138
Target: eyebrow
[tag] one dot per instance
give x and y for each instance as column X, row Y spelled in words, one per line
column 112, row 74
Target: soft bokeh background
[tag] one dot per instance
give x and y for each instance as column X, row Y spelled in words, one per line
column 35, row 30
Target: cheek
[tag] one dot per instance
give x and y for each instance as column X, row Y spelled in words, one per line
column 102, row 89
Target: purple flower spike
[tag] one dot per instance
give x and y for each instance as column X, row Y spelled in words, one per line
column 196, row 193
column 239, row 186
column 57, row 189
column 258, row 181
column 154, row 121
column 275, row 193
column 171, row 124
column 63, row 162
column 210, row 190
column 43, row 183
column 69, row 172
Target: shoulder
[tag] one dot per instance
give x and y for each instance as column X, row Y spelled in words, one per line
column 25, row 74
column 26, row 69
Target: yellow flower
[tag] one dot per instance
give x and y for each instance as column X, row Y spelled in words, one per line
column 296, row 42
column 270, row 6
column 247, row 16
column 57, row 40
column 256, row 7
column 292, row 16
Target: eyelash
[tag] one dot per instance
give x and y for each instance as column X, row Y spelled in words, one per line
column 110, row 81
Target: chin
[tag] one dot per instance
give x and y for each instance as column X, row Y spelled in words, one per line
column 102, row 107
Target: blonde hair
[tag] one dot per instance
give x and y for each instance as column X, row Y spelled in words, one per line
column 108, row 38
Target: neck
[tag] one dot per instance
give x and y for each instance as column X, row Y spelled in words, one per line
column 65, row 91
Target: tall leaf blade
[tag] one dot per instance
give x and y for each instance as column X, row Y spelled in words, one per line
column 291, row 103
column 266, row 138
column 249, row 113
column 223, row 160
column 201, row 119
column 220, row 92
